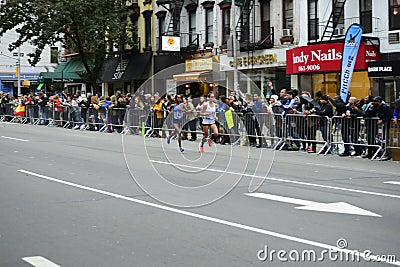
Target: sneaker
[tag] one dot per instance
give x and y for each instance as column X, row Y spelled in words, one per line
column 76, row 127
column 353, row 153
column 201, row 149
column 209, row 142
column 309, row 148
column 168, row 140
column 181, row 149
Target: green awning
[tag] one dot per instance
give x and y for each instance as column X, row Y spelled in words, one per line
column 66, row 72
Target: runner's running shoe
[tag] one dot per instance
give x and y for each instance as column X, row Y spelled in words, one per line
column 209, row 142
column 181, row 149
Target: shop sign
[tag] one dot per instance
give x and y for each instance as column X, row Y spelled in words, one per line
column 383, row 69
column 120, row 69
column 326, row 58
column 255, row 60
column 199, row 64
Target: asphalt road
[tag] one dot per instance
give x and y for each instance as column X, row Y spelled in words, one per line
column 72, row 198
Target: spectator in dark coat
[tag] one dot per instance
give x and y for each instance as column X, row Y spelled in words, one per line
column 382, row 111
column 325, row 110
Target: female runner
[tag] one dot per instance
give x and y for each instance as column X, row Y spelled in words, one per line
column 177, row 118
column 208, row 113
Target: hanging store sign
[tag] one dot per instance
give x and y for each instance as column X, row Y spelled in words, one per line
column 326, row 58
column 170, row 43
column 383, row 69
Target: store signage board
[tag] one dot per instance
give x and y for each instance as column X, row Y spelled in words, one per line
column 170, row 43
column 383, row 69
column 326, row 58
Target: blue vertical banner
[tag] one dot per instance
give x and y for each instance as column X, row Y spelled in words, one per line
column 349, row 56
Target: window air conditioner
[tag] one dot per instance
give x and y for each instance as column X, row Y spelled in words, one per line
column 287, row 33
column 394, row 37
column 339, row 31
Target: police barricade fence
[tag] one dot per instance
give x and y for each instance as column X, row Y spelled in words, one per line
column 257, row 129
column 136, row 121
column 336, row 134
column 358, row 136
column 394, row 141
column 306, row 132
column 7, row 111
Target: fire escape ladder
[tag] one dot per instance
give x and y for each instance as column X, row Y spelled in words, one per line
column 243, row 26
column 334, row 18
column 175, row 8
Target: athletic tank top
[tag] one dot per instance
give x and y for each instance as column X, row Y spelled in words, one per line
column 209, row 119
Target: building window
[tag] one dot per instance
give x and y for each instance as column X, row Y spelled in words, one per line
column 54, row 55
column 192, row 26
column 394, row 15
column 265, row 9
column 313, row 20
column 147, row 24
column 366, row 15
column 161, row 27
column 209, row 25
column 288, row 14
column 226, row 23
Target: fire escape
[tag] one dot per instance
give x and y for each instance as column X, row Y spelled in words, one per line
column 246, row 30
column 334, row 19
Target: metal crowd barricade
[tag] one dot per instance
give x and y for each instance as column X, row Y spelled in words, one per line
column 20, row 119
column 91, row 119
column 307, row 130
column 135, row 121
column 32, row 113
column 44, row 114
column 8, row 112
column 51, row 116
column 394, row 141
column 358, row 134
column 154, row 128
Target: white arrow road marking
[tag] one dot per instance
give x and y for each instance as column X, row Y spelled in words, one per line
column 282, row 180
column 39, row 261
column 211, row 219
column 392, row 182
column 12, row 138
column 337, row 207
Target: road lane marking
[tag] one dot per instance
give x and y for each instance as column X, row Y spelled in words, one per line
column 336, row 207
column 12, row 138
column 208, row 218
column 39, row 261
column 392, row 182
column 350, row 168
column 284, row 180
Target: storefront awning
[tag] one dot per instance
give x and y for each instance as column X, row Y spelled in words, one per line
column 190, row 76
column 125, row 69
column 66, row 72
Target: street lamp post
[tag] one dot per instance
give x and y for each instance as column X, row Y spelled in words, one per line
column 234, row 47
column 19, row 72
column 18, row 65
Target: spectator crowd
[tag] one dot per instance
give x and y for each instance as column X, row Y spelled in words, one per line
column 289, row 119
